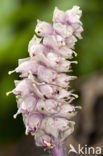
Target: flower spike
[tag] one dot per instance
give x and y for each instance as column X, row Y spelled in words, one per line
column 43, row 95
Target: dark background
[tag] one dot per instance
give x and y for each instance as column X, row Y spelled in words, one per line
column 17, row 22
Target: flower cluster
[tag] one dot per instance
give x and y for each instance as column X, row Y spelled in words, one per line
column 42, row 94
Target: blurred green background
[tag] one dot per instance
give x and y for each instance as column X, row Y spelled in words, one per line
column 17, row 22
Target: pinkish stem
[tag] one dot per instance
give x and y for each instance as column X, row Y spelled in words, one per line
column 58, row 150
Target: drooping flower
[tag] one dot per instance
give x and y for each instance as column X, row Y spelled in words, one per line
column 43, row 94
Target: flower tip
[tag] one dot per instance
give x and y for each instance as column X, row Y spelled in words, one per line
column 10, row 72
column 48, row 144
column 76, row 96
column 79, row 107
column 63, row 59
column 14, row 116
column 75, row 54
column 59, row 104
column 8, row 93
column 60, row 88
column 74, row 77
column 63, row 43
column 36, row 30
column 31, row 55
column 73, row 122
column 26, row 133
column 75, row 62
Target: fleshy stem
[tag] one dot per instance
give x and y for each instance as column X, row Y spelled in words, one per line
column 58, row 150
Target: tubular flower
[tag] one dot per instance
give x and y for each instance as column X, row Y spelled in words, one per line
column 42, row 94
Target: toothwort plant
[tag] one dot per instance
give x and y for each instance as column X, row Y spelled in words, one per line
column 43, row 94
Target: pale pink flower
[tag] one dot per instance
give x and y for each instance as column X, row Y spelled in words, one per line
column 27, row 104
column 45, row 140
column 43, row 28
column 32, row 122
